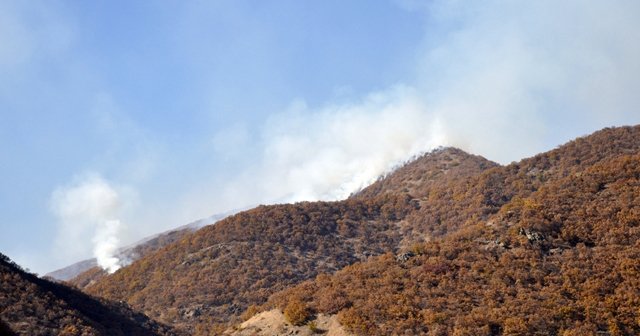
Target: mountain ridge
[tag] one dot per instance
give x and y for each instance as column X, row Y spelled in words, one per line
column 85, row 272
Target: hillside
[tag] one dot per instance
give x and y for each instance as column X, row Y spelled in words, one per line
column 447, row 208
column 81, row 278
column 85, row 272
column 563, row 261
column 435, row 169
column 33, row 306
column 207, row 279
column 210, row 277
column 138, row 250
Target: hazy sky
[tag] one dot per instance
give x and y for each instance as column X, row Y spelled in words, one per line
column 119, row 119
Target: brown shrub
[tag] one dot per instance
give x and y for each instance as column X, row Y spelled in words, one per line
column 296, row 312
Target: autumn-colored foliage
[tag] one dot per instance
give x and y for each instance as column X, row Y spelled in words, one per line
column 449, row 244
column 296, row 312
column 210, row 277
column 33, row 306
column 560, row 260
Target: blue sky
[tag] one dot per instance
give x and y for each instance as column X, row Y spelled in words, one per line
column 155, row 114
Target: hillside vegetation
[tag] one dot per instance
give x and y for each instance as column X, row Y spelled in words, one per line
column 465, row 247
column 563, row 261
column 33, row 306
column 91, row 274
column 209, row 278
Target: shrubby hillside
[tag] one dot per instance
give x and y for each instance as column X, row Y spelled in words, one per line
column 562, row 261
column 33, row 306
column 464, row 246
column 91, row 273
column 208, row 279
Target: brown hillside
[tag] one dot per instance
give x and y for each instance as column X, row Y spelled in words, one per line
column 213, row 275
column 437, row 168
column 33, row 306
column 562, row 261
column 91, row 274
column 462, row 203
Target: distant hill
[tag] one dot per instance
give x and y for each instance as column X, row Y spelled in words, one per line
column 447, row 205
column 33, row 306
column 73, row 270
column 85, row 272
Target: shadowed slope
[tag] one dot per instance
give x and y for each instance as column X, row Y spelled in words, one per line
column 33, row 306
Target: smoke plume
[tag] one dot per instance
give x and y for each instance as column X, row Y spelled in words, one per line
column 327, row 153
column 89, row 206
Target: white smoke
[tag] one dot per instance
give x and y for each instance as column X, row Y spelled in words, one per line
column 511, row 79
column 328, row 153
column 331, row 152
column 106, row 243
column 89, row 206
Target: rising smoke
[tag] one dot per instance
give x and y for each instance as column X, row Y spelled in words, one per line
column 89, row 207
column 327, row 153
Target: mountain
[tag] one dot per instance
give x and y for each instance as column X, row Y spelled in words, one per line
column 33, row 306
column 550, row 246
column 439, row 222
column 562, row 261
column 208, row 278
column 73, row 270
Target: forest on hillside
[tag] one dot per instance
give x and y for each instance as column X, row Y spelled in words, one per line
column 563, row 261
column 450, row 243
column 33, row 306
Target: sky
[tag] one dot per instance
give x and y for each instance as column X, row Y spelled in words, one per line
column 122, row 119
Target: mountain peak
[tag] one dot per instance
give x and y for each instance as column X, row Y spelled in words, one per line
column 437, row 167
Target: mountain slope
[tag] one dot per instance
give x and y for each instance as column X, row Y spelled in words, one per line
column 216, row 273
column 131, row 253
column 85, row 272
column 437, row 168
column 211, row 276
column 465, row 202
column 33, row 306
column 563, row 261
